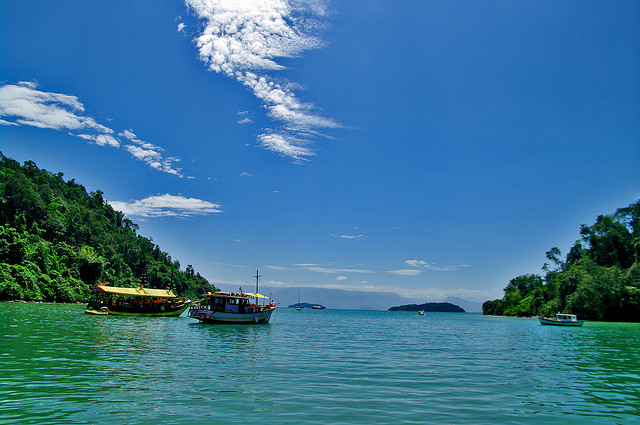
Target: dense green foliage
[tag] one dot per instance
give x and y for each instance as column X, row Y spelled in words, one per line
column 438, row 307
column 598, row 280
column 57, row 242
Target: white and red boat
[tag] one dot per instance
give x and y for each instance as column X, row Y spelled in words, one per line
column 233, row 308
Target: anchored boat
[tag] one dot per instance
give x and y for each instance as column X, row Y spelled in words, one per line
column 561, row 320
column 233, row 308
column 111, row 300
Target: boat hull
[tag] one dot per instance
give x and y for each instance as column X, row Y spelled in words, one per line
column 554, row 322
column 217, row 317
column 161, row 313
column 96, row 312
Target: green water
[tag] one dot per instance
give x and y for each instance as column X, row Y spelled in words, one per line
column 314, row 366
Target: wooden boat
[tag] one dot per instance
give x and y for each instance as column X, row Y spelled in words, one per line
column 111, row 300
column 232, row 308
column 561, row 320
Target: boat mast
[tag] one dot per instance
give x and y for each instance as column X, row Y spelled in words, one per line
column 257, row 276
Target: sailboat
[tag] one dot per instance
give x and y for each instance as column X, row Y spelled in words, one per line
column 318, row 306
column 298, row 306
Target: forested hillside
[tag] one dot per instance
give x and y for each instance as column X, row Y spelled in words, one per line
column 57, row 242
column 598, row 280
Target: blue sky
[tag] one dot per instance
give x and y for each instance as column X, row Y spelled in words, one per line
column 426, row 148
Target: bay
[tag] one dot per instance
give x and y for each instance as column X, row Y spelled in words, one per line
column 314, row 366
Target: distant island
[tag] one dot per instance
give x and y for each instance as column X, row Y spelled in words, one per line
column 437, row 307
column 302, row 305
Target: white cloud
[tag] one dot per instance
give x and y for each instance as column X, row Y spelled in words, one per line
column 153, row 156
column 245, row 117
column 243, row 38
column 166, row 206
column 181, row 27
column 128, row 134
column 101, row 139
column 27, row 105
column 406, row 272
column 359, row 237
column 41, row 109
column 339, row 278
column 150, row 154
column 427, row 266
column 322, row 269
column 288, row 269
column 287, row 145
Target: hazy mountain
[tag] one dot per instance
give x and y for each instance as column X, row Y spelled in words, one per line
column 354, row 300
column 339, row 299
column 469, row 306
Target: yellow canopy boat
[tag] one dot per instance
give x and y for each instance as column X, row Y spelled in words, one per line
column 138, row 301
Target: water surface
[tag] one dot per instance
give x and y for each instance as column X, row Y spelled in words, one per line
column 313, row 366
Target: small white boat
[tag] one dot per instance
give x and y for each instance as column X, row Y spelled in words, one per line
column 561, row 320
column 421, row 313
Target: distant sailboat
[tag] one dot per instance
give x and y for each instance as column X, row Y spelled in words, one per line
column 318, row 307
column 298, row 306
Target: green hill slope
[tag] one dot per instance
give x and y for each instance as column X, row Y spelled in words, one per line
column 598, row 280
column 57, row 241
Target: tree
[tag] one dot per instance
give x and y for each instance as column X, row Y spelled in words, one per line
column 600, row 279
column 57, row 241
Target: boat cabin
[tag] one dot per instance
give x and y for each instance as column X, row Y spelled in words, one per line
column 224, row 302
column 567, row 317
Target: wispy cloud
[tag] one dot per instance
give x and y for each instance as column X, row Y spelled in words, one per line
column 41, row 109
column 166, row 206
column 330, row 270
column 244, row 117
column 416, row 263
column 150, row 154
column 423, row 265
column 243, row 38
column 287, row 269
column 26, row 105
column 406, row 272
column 359, row 237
